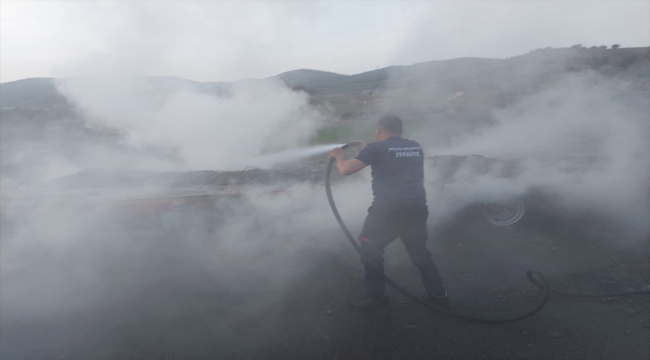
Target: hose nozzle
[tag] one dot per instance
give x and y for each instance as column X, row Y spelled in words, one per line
column 351, row 144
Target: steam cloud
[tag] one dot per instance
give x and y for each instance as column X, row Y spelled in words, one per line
column 210, row 132
column 585, row 139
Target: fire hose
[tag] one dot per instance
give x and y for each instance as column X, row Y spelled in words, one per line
column 535, row 277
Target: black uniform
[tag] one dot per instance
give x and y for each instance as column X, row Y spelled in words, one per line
column 399, row 210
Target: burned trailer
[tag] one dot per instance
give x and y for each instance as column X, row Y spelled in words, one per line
column 469, row 187
column 482, row 188
column 172, row 202
column 118, row 209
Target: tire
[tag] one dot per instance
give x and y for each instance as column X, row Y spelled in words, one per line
column 504, row 214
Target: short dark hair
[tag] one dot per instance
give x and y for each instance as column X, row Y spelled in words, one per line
column 391, row 124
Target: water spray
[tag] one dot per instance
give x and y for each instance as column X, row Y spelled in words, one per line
column 286, row 156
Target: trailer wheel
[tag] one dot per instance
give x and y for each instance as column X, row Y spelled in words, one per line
column 504, row 214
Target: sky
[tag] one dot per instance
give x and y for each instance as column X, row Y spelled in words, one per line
column 226, row 41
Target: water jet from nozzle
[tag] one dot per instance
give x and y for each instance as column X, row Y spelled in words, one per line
column 290, row 155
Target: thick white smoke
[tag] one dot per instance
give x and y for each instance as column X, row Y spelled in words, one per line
column 585, row 139
column 61, row 259
column 209, row 131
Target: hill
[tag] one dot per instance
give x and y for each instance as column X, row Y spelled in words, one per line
column 443, row 85
column 525, row 71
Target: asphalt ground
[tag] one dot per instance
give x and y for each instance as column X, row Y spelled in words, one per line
column 154, row 298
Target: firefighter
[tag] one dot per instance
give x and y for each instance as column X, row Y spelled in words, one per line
column 399, row 209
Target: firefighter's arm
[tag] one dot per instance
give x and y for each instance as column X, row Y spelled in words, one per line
column 346, row 167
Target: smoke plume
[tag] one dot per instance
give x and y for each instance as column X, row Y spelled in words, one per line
column 208, row 131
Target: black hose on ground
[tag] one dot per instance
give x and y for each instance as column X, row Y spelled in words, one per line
column 533, row 276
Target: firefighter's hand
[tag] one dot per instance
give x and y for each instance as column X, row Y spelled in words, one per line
column 336, row 153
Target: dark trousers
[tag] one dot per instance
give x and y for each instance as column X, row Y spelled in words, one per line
column 384, row 223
